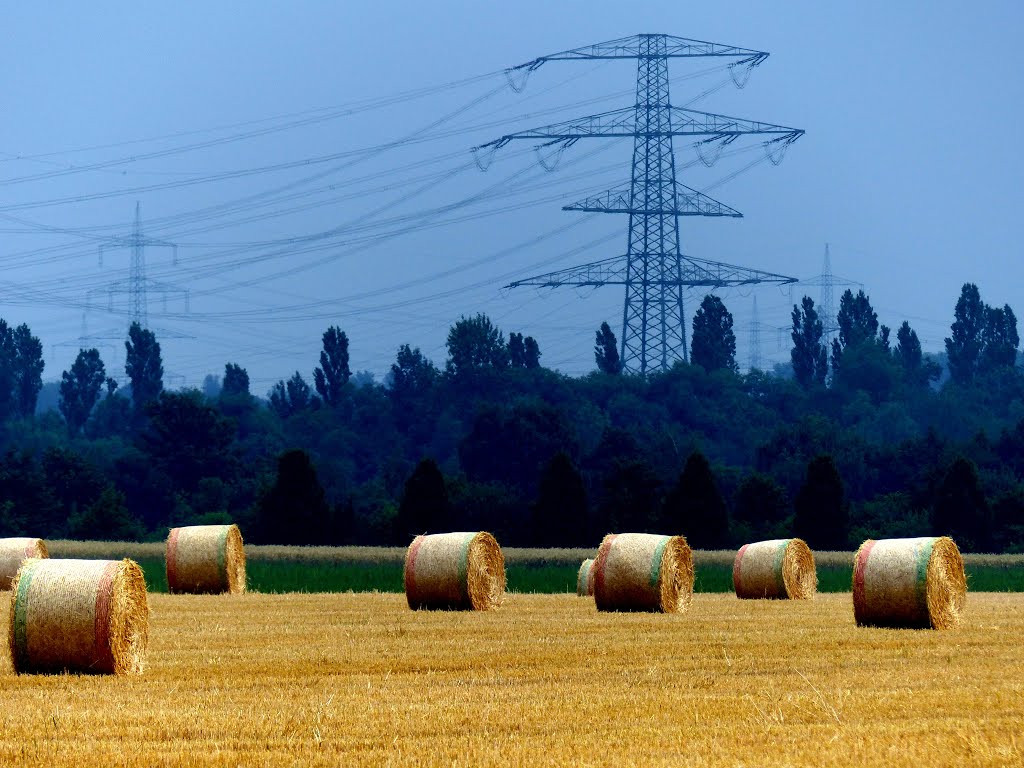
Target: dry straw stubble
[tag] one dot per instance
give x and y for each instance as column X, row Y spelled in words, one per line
column 643, row 572
column 80, row 616
column 913, row 583
column 205, row 559
column 585, row 579
column 14, row 552
column 777, row 569
column 454, row 571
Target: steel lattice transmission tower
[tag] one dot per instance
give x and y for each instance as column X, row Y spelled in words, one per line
column 138, row 286
column 654, row 271
column 827, row 306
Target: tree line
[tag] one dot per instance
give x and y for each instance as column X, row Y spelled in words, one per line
column 867, row 436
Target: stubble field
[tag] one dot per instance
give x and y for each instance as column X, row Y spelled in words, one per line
column 358, row 679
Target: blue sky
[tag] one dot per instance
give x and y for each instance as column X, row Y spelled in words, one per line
column 909, row 168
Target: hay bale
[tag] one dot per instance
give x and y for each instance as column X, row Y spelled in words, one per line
column 454, row 571
column 780, row 569
column 643, row 572
column 585, row 579
column 909, row 583
column 80, row 616
column 14, row 552
column 205, row 559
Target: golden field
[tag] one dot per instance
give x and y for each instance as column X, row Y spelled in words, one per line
column 358, row 679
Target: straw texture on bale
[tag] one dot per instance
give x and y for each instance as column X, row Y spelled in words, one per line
column 781, row 569
column 80, row 616
column 205, row 559
column 916, row 583
column 585, row 579
column 643, row 572
column 454, row 571
column 13, row 552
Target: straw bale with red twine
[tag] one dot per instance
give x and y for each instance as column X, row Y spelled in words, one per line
column 79, row 616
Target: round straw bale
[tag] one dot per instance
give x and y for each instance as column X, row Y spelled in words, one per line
column 917, row 583
column 779, row 569
column 13, row 552
column 204, row 559
column 454, row 571
column 643, row 572
column 79, row 616
column 585, row 579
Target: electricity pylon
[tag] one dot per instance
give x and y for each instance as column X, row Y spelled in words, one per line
column 653, row 270
column 827, row 307
column 138, row 286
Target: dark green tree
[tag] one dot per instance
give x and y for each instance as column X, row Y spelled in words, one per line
column 294, row 509
column 412, row 375
column 960, row 508
column 474, row 345
column 144, row 366
column 531, row 352
column 8, row 378
column 27, row 503
column 424, row 506
column 560, row 511
column 106, row 519
column 760, row 504
column 80, row 388
column 212, row 386
column 822, row 512
column 713, row 346
column 288, row 398
column 858, row 324
column 630, row 498
column 235, row 382
column 809, row 356
column 916, row 369
column 333, row 373
column 516, row 351
column 28, row 370
column 999, row 339
column 694, row 506
column 188, row 439
column 964, row 345
column 606, row 351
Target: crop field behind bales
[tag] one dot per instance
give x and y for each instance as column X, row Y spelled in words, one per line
column 546, row 571
column 360, row 680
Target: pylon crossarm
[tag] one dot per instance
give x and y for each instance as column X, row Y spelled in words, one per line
column 688, row 202
column 693, row 273
column 632, row 48
column 621, row 123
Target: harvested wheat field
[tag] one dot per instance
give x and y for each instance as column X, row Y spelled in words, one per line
column 359, row 679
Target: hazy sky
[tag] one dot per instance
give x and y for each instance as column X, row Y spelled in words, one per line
column 311, row 160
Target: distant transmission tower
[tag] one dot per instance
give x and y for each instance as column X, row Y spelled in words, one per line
column 755, row 340
column 826, row 306
column 653, row 270
column 136, row 287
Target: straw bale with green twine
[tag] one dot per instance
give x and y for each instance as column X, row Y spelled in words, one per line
column 778, row 569
column 912, row 583
column 454, row 571
column 14, row 552
column 205, row 559
column 643, row 572
column 585, row 579
column 79, row 616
